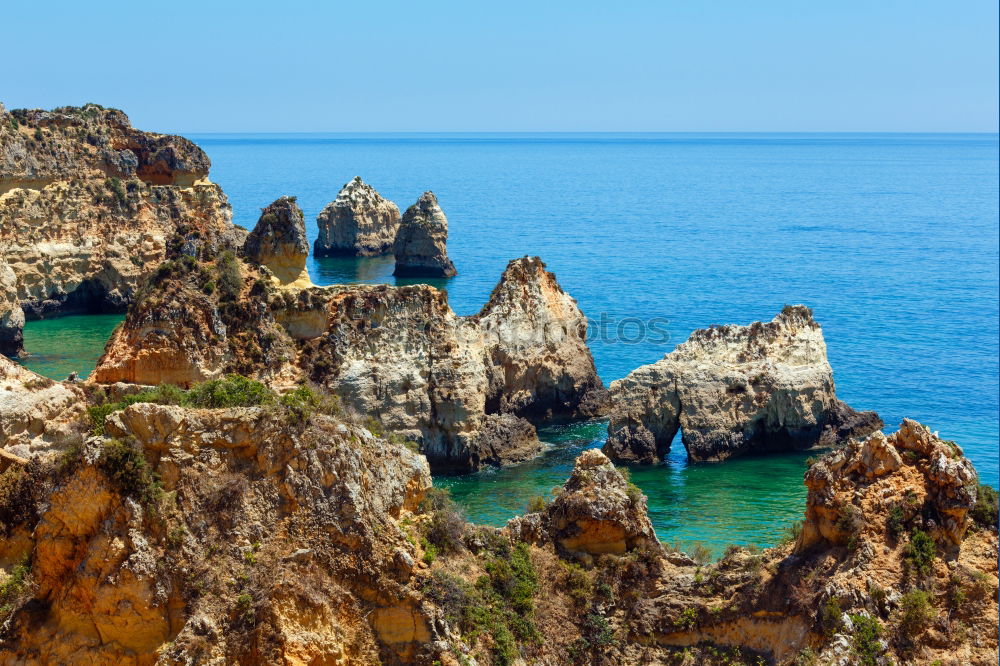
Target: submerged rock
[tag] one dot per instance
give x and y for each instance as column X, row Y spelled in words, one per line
column 279, row 242
column 734, row 390
column 90, row 206
column 421, row 242
column 359, row 223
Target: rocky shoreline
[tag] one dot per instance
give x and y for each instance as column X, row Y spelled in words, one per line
column 246, row 476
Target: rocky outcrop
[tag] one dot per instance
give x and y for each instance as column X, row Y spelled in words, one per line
column 261, row 543
column 36, row 413
column 11, row 314
column 89, row 206
column 541, row 367
column 358, row 223
column 464, row 388
column 279, row 242
column 596, row 512
column 734, row 390
column 912, row 471
column 421, row 242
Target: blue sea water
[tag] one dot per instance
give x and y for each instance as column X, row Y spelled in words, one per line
column 892, row 239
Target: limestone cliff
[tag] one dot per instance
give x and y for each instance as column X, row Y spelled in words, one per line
column 358, row 223
column 36, row 413
column 733, row 390
column 11, row 314
column 279, row 242
column 89, row 206
column 462, row 387
column 421, row 242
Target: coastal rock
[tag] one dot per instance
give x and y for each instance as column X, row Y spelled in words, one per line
column 119, row 582
column 909, row 469
column 540, row 365
column 734, row 390
column 358, row 223
column 11, row 314
column 464, row 388
column 89, row 206
column 597, row 512
column 36, row 413
column 279, row 242
column 421, row 242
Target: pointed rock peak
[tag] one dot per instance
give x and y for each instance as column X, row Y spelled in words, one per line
column 593, row 468
column 421, row 244
column 279, row 242
column 427, row 210
column 356, row 185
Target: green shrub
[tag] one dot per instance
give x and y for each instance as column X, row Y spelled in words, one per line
column 125, row 464
column 577, row 582
column 865, row 640
column 701, row 554
column 791, row 533
column 13, row 588
column 536, row 504
column 916, row 612
column 895, row 523
column 831, row 617
column 848, row 519
column 987, row 506
column 688, row 619
column 229, row 276
column 920, row 552
column 446, row 528
column 19, row 488
column 233, row 391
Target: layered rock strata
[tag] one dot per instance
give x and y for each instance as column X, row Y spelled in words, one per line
column 90, row 205
column 358, row 223
column 421, row 242
column 465, row 388
column 734, row 390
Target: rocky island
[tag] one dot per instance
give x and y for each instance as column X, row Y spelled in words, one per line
column 421, row 242
column 358, row 223
column 734, row 390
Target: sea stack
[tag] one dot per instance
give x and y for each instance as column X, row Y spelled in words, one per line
column 358, row 223
column 279, row 243
column 735, row 390
column 421, row 243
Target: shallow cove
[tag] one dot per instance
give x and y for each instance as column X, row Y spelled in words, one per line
column 743, row 500
column 62, row 345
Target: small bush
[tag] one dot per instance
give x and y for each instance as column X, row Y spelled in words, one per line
column 701, row 554
column 446, row 528
column 791, row 533
column 895, row 523
column 536, row 504
column 987, row 507
column 19, row 487
column 577, row 582
column 688, row 619
column 228, row 276
column 865, row 641
column 849, row 519
column 12, row 590
column 920, row 552
column 831, row 617
column 916, row 613
column 125, row 464
column 233, row 391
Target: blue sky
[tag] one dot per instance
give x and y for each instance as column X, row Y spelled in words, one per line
column 788, row 65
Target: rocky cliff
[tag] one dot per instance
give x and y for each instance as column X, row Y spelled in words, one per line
column 465, row 388
column 228, row 524
column 90, row 205
column 733, row 390
column 358, row 223
column 421, row 242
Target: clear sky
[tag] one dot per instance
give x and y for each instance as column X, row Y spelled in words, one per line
column 468, row 65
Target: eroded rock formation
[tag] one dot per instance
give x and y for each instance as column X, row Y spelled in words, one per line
column 465, row 388
column 36, row 413
column 733, row 390
column 89, row 206
column 596, row 512
column 421, row 242
column 279, row 242
column 358, row 223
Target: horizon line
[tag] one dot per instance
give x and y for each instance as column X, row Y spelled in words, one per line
column 457, row 132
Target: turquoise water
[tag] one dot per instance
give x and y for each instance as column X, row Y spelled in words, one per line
column 893, row 239
column 746, row 501
column 67, row 344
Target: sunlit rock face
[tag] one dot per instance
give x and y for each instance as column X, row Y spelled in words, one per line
column 421, row 242
column 358, row 223
column 89, row 206
column 734, row 390
column 279, row 242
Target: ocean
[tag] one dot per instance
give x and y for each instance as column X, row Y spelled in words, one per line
column 892, row 239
